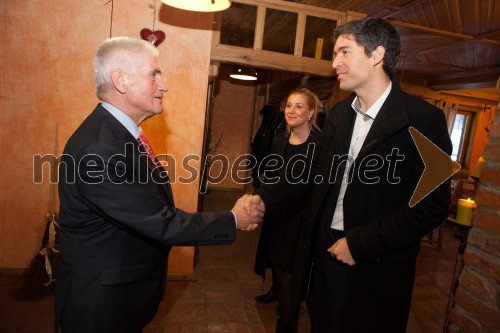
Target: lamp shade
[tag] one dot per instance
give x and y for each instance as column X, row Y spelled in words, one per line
column 244, row 73
column 199, row 5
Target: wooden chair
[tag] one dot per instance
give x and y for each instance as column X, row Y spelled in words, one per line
column 460, row 188
column 439, row 241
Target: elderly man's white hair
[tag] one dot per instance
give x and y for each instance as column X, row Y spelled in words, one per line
column 118, row 53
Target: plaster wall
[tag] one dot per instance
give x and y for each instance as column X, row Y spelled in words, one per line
column 231, row 126
column 479, row 138
column 46, row 87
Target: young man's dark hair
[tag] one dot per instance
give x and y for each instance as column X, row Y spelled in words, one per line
column 373, row 32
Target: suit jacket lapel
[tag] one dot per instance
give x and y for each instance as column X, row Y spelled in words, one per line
column 137, row 151
column 342, row 123
column 391, row 119
column 157, row 172
column 337, row 145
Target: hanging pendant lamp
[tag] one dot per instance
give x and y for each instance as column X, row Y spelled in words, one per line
column 244, row 73
column 199, row 5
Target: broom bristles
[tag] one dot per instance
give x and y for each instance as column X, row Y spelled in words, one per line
column 36, row 283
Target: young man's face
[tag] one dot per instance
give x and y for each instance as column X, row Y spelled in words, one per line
column 354, row 68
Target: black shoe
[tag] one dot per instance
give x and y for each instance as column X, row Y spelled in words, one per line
column 266, row 298
column 282, row 327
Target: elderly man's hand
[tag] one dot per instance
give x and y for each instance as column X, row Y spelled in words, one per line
column 249, row 212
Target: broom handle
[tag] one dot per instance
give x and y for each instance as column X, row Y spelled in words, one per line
column 54, row 175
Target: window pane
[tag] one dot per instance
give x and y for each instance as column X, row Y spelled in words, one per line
column 317, row 27
column 279, row 31
column 457, row 135
column 238, row 25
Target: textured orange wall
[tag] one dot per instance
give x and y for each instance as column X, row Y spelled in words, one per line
column 479, row 140
column 232, row 118
column 46, row 79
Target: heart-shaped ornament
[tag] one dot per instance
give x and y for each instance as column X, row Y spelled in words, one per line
column 154, row 37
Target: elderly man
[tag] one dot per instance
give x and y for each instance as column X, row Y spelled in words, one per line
column 117, row 219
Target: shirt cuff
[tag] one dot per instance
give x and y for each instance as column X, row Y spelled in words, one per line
column 235, row 219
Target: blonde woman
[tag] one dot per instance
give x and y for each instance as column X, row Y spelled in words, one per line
column 292, row 151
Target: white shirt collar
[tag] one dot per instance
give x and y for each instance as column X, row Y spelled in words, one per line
column 375, row 108
column 125, row 120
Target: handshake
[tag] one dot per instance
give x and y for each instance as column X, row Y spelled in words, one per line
column 249, row 211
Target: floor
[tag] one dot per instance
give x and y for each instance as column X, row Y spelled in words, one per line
column 222, row 299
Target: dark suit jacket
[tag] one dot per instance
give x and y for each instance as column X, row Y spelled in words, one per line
column 118, row 221
column 383, row 232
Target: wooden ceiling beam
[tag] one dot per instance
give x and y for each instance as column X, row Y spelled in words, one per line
column 296, row 7
column 271, row 60
column 488, row 36
column 439, row 47
column 438, row 32
column 395, row 9
column 469, row 98
column 430, row 30
column 474, row 80
column 406, row 62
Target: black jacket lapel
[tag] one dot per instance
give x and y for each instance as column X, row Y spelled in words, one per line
column 391, row 119
column 342, row 122
column 157, row 172
column 138, row 152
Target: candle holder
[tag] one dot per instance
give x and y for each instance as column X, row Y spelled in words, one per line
column 463, row 222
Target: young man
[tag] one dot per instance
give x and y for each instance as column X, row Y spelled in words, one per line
column 117, row 219
column 362, row 235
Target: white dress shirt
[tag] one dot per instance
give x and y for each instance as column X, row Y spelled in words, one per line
column 362, row 125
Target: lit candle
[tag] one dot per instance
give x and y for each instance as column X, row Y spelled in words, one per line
column 480, row 165
column 465, row 210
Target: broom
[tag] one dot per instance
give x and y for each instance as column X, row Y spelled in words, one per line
column 37, row 282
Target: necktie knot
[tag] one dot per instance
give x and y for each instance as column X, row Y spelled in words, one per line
column 147, row 147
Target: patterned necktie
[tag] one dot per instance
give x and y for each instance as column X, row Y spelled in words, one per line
column 147, row 147
column 143, row 140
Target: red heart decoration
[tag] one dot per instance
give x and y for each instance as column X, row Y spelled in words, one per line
column 154, row 37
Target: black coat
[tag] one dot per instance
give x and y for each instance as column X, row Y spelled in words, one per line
column 273, row 122
column 117, row 222
column 383, row 233
column 281, row 228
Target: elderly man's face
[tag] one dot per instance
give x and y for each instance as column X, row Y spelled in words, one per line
column 145, row 88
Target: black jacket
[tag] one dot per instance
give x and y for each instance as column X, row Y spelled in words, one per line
column 117, row 222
